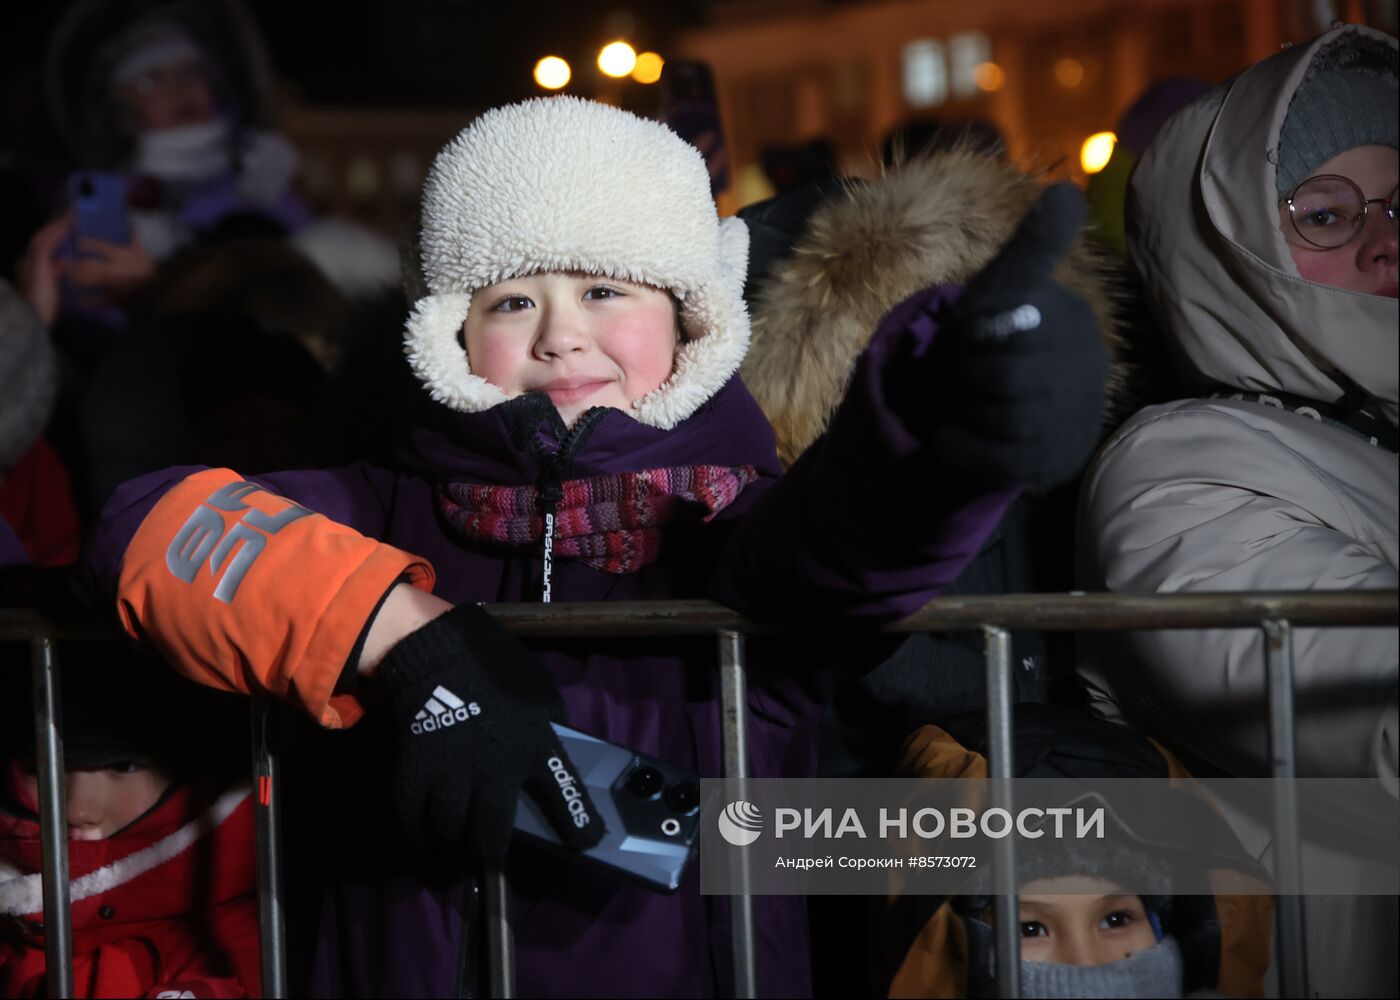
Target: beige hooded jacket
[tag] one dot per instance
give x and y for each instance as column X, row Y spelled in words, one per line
column 1226, row 495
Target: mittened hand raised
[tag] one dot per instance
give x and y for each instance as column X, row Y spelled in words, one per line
column 1018, row 366
column 471, row 713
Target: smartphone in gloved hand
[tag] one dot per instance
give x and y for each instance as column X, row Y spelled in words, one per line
column 651, row 811
column 98, row 199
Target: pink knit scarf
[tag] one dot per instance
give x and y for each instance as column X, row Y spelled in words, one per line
column 610, row 522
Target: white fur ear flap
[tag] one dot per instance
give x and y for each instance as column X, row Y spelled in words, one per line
column 436, row 355
column 734, row 252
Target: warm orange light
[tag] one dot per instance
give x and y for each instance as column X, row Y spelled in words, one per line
column 989, row 76
column 551, row 72
column 1097, row 151
column 648, row 68
column 1069, row 73
column 617, row 59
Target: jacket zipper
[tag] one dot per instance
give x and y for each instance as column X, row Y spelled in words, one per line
column 551, row 487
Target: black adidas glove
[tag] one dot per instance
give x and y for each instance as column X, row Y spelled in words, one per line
column 1018, row 367
column 471, row 713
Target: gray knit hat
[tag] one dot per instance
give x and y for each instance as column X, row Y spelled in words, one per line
column 28, row 376
column 1348, row 99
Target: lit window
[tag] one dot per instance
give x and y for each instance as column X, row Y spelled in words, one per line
column 968, row 51
column 925, row 73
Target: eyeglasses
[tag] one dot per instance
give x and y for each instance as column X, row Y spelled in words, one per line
column 1327, row 211
column 172, row 78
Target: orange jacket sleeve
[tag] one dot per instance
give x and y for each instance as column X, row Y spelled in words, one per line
column 244, row 590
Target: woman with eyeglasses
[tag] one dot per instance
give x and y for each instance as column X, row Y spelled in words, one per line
column 1263, row 222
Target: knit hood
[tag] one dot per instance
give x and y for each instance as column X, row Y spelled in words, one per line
column 862, row 250
column 563, row 184
column 1203, row 228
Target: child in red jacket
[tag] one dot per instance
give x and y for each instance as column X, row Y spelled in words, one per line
column 160, row 844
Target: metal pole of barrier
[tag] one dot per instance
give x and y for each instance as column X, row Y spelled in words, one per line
column 53, row 818
column 1001, row 766
column 1288, row 867
column 734, row 721
column 272, row 930
column 500, row 942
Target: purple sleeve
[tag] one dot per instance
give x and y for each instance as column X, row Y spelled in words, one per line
column 350, row 496
column 864, row 525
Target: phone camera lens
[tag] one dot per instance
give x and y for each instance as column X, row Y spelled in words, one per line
column 85, row 188
column 645, row 782
column 683, row 796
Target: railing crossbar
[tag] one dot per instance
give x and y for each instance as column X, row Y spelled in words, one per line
column 1013, row 612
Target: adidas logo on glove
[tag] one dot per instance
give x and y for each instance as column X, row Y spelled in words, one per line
column 442, row 709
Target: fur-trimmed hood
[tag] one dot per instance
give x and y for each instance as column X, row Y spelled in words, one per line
column 166, row 907
column 158, row 869
column 865, row 248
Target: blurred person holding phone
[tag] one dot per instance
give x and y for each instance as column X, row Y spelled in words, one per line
column 155, row 112
column 167, row 106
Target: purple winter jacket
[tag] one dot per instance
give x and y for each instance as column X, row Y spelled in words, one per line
column 863, row 528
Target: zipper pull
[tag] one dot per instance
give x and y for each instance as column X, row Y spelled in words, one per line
column 551, row 492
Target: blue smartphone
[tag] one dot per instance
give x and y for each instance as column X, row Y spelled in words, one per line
column 651, row 810
column 98, row 198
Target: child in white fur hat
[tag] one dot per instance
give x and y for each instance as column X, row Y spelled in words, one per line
column 587, row 439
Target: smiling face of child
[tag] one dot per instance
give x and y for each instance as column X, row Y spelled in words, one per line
column 101, row 801
column 585, row 341
column 1079, row 920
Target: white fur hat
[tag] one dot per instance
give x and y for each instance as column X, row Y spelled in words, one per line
column 563, row 184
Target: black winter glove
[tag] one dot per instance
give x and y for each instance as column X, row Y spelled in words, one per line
column 1018, row 366
column 471, row 711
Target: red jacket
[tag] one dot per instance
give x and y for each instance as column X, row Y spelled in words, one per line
column 167, row 907
column 36, row 500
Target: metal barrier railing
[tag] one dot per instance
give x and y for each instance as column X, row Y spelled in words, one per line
column 1276, row 614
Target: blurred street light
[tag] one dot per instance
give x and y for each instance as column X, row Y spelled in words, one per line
column 1069, row 73
column 551, row 72
column 648, row 68
column 617, row 59
column 1097, row 151
column 990, row 77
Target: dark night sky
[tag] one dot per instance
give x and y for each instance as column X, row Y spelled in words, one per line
column 450, row 53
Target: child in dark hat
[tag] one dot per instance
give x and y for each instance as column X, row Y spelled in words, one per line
column 1166, row 903
column 1083, row 933
column 160, row 839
